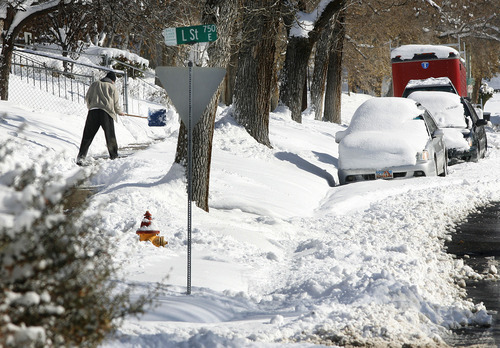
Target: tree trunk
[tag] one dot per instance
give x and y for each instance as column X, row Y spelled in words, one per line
column 320, row 70
column 275, row 91
column 303, row 107
column 334, row 76
column 5, row 65
column 475, row 89
column 255, row 69
column 294, row 74
column 219, row 53
column 229, row 80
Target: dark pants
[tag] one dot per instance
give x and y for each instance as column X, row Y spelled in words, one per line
column 98, row 118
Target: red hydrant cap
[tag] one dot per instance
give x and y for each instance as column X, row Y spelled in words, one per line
column 146, row 225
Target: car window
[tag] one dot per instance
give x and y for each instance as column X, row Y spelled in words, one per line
column 469, row 111
column 429, row 121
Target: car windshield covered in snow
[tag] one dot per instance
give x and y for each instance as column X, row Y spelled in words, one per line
column 446, row 108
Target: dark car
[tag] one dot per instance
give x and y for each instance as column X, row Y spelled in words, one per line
column 464, row 132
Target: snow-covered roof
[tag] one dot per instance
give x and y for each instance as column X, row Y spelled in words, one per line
column 408, row 51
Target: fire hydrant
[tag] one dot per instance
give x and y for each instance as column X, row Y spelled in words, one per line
column 147, row 232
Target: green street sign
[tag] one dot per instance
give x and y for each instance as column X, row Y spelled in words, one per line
column 190, row 35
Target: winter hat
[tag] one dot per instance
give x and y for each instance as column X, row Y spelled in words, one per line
column 111, row 75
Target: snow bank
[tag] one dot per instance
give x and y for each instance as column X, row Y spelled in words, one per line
column 284, row 258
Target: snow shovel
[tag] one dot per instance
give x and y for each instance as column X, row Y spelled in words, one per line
column 157, row 118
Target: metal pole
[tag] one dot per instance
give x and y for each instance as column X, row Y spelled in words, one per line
column 125, row 91
column 190, row 169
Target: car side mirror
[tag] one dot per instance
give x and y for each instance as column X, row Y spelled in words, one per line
column 339, row 136
column 481, row 122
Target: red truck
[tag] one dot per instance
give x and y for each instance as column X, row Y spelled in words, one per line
column 420, row 62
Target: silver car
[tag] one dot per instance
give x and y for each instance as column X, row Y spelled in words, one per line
column 390, row 138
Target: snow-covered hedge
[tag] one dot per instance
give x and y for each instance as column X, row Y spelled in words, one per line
column 58, row 286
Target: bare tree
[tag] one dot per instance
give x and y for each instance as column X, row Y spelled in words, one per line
column 68, row 27
column 321, row 59
column 14, row 16
column 477, row 23
column 300, row 44
column 484, row 62
column 334, row 76
column 372, row 27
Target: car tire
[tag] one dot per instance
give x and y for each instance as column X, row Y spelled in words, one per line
column 478, row 153
column 483, row 155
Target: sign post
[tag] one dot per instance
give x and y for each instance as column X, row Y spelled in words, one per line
column 190, row 90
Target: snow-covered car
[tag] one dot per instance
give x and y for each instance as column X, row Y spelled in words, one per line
column 442, row 84
column 390, row 138
column 464, row 133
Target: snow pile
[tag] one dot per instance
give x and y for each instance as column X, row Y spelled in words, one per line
column 284, row 258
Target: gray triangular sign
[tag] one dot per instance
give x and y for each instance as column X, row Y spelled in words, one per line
column 205, row 82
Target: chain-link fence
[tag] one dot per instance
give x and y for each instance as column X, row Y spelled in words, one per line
column 51, row 82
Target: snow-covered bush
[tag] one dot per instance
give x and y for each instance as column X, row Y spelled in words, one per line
column 133, row 68
column 58, row 284
column 485, row 93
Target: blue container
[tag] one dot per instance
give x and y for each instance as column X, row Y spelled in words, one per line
column 157, row 118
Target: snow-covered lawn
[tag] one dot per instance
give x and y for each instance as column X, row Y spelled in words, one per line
column 284, row 258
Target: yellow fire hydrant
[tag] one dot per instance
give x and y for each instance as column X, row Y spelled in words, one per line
column 147, row 232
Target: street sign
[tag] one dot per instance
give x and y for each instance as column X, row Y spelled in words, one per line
column 204, row 82
column 190, row 35
column 190, row 90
